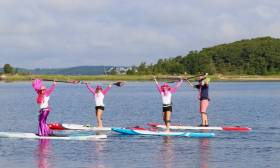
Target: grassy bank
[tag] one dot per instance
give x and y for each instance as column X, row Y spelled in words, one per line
column 11, row 78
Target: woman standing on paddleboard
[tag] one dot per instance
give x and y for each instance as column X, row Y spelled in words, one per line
column 99, row 95
column 166, row 93
column 42, row 100
column 203, row 88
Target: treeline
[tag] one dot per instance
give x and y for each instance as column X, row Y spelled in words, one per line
column 78, row 70
column 8, row 69
column 259, row 56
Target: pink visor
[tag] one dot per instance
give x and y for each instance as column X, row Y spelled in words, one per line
column 165, row 85
column 98, row 87
column 43, row 87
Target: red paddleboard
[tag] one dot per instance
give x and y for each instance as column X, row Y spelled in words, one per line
column 56, row 126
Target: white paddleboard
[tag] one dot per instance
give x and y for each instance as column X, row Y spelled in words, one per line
column 64, row 126
column 59, row 137
column 182, row 127
column 85, row 127
column 189, row 127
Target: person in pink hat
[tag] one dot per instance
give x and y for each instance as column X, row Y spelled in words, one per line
column 42, row 100
column 166, row 94
column 99, row 95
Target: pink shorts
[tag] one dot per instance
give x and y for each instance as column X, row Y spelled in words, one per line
column 203, row 106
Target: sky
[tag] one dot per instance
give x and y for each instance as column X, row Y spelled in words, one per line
column 67, row 33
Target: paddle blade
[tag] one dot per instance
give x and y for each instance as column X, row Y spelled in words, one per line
column 119, row 83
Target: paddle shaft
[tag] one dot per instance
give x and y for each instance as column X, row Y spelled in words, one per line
column 118, row 83
column 62, row 81
column 178, row 77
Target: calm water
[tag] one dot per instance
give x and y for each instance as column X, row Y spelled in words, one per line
column 253, row 104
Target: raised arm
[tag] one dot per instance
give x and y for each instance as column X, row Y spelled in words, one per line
column 91, row 89
column 173, row 90
column 158, row 87
column 206, row 82
column 51, row 89
column 36, row 84
column 107, row 89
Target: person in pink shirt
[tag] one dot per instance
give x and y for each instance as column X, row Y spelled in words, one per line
column 166, row 94
column 99, row 95
column 42, row 100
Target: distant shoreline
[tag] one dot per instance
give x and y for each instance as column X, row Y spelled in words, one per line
column 229, row 78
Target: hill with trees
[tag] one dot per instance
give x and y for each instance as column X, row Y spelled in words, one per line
column 259, row 56
column 79, row 70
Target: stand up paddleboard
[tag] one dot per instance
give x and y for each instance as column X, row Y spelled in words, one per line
column 133, row 131
column 182, row 127
column 64, row 126
column 58, row 137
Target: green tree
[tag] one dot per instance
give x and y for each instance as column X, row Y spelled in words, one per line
column 132, row 71
column 8, row 69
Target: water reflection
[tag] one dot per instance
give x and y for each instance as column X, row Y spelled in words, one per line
column 167, row 152
column 97, row 155
column 204, row 152
column 170, row 155
column 43, row 154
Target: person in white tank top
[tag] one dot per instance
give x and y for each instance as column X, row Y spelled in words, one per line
column 166, row 95
column 99, row 95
